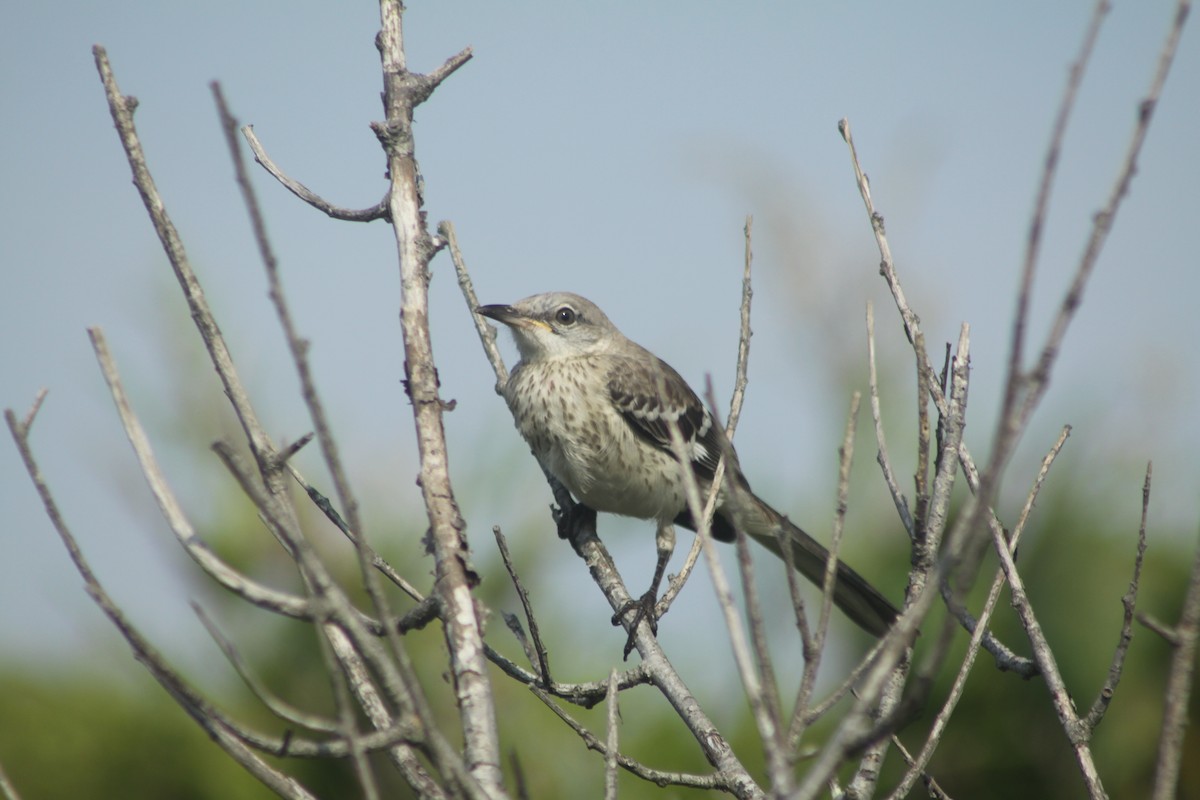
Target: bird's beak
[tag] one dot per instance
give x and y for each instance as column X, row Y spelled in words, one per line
column 510, row 317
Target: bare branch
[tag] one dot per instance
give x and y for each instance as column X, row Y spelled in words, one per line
column 806, row 715
column 277, row 707
column 713, row 781
column 542, row 657
column 1129, row 602
column 296, row 344
column 771, row 732
column 581, row 532
column 1041, row 204
column 377, row 561
column 121, row 108
column 926, row 572
column 885, row 463
column 610, row 743
column 979, row 637
column 336, row 648
column 377, row 211
column 1178, row 691
column 752, row 683
column 1160, row 628
column 487, row 333
column 845, row 459
column 744, row 333
column 1102, row 221
column 921, row 476
column 741, row 380
column 931, row 786
column 272, row 502
column 449, row 67
column 366, row 557
column 403, row 91
column 883, row 681
column 218, row 728
column 251, row 591
column 1042, row 653
column 31, row 415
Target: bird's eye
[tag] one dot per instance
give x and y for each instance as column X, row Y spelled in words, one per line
column 565, row 315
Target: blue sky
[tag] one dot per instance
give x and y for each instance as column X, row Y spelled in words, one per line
column 608, row 149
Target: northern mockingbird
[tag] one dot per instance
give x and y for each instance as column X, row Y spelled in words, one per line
column 596, row 408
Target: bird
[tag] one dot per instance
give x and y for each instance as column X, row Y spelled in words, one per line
column 596, row 409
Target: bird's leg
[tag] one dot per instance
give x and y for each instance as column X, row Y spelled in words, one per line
column 664, row 540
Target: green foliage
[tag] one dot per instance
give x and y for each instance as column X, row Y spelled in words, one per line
column 64, row 735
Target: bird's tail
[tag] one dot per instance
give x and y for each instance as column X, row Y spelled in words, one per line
column 852, row 593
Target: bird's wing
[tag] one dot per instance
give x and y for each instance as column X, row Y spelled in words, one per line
column 650, row 395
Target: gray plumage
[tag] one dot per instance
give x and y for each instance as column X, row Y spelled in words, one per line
column 596, row 409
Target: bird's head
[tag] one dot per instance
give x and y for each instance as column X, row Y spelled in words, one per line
column 555, row 325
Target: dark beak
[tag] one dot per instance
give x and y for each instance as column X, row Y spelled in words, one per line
column 505, row 314
column 512, row 317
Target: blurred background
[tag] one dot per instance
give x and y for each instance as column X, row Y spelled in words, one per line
column 612, row 150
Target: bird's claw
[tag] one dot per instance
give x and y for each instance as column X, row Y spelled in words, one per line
column 645, row 607
column 574, row 521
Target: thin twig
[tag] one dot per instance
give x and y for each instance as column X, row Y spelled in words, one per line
column 740, row 382
column 929, row 385
column 741, row 372
column 649, row 774
column 36, row 406
column 978, row 637
column 377, row 211
column 486, row 331
column 208, row 718
column 1017, row 410
column 275, row 503
column 775, row 748
column 931, row 786
column 297, row 345
column 366, row 556
column 845, row 461
column 172, row 511
column 329, row 449
column 377, row 561
column 664, row 677
column 121, row 109
column 814, row 644
column 356, row 652
column 543, row 658
column 882, row 682
column 1177, row 694
column 278, row 707
column 1129, row 603
column 926, row 568
column 610, row 742
column 1102, row 221
column 1041, row 204
column 1043, row 654
column 658, row 669
column 721, row 587
column 921, row 476
column 881, row 456
column 807, row 716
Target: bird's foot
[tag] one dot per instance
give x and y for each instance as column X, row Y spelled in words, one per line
column 645, row 610
column 574, row 521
